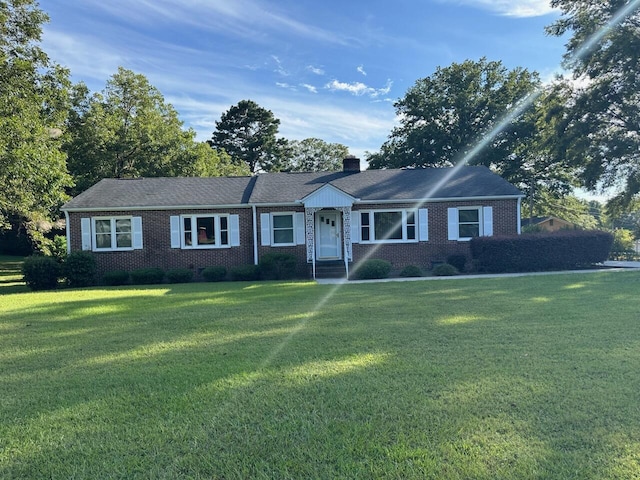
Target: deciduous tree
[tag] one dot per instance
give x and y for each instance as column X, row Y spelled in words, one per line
column 33, row 108
column 603, row 134
column 128, row 130
column 444, row 116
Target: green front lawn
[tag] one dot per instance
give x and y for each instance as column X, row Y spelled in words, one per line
column 530, row 377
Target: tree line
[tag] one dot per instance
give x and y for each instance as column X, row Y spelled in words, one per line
column 581, row 130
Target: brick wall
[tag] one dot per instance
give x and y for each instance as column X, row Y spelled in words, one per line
column 157, row 251
column 439, row 247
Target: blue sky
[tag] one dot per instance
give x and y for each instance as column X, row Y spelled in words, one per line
column 330, row 70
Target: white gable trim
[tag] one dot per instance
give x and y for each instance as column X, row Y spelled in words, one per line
column 328, row 196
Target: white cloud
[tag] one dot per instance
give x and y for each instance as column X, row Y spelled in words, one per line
column 361, row 70
column 359, row 88
column 279, row 68
column 310, row 88
column 317, row 71
column 512, row 8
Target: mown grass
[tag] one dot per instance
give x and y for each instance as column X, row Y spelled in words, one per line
column 532, row 377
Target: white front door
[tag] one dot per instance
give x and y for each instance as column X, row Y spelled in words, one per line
column 328, row 236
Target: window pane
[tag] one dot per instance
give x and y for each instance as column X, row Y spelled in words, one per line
column 468, row 215
column 411, row 218
column 364, row 218
column 224, row 238
column 103, row 226
column 123, row 225
column 223, row 223
column 283, row 221
column 411, row 232
column 469, row 230
column 388, row 225
column 123, row 240
column 365, row 234
column 283, row 236
column 187, row 224
column 206, row 230
column 103, row 240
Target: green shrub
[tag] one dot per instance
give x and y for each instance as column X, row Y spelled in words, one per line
column 79, row 269
column 40, row 272
column 278, row 266
column 561, row 250
column 147, row 276
column 214, row 274
column 373, row 268
column 458, row 261
column 58, row 248
column 411, row 271
column 117, row 277
column 179, row 275
column 444, row 270
column 244, row 273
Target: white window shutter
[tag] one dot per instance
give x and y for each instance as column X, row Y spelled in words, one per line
column 487, row 218
column 136, row 227
column 454, row 231
column 298, row 222
column 423, row 225
column 85, row 232
column 265, row 229
column 355, row 227
column 175, row 231
column 234, row 230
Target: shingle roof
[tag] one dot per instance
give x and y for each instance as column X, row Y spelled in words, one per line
column 113, row 194
column 381, row 185
column 283, row 188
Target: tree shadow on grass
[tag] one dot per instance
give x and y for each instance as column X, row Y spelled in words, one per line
column 375, row 384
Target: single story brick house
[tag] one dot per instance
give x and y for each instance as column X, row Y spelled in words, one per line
column 406, row 216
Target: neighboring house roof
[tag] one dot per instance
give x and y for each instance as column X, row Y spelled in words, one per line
column 525, row 222
column 287, row 188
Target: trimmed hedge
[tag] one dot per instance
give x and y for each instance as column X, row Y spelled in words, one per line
column 411, row 271
column 115, row 278
column 214, row 274
column 179, row 275
column 561, row 250
column 79, row 269
column 147, row 276
column 372, row 269
column 40, row 272
column 244, row 273
column 444, row 270
column 278, row 266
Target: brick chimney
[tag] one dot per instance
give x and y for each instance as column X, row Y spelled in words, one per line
column 351, row 163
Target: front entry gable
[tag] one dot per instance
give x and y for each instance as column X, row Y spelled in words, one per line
column 328, row 196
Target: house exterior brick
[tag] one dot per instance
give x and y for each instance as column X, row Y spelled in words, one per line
column 282, row 213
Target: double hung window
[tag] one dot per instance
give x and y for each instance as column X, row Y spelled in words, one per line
column 112, row 233
column 205, row 231
column 388, row 226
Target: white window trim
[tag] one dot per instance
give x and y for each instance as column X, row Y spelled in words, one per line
column 272, row 229
column 485, row 222
column 404, row 212
column 113, row 247
column 216, row 226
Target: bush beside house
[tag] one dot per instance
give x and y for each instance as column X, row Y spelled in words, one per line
column 538, row 252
